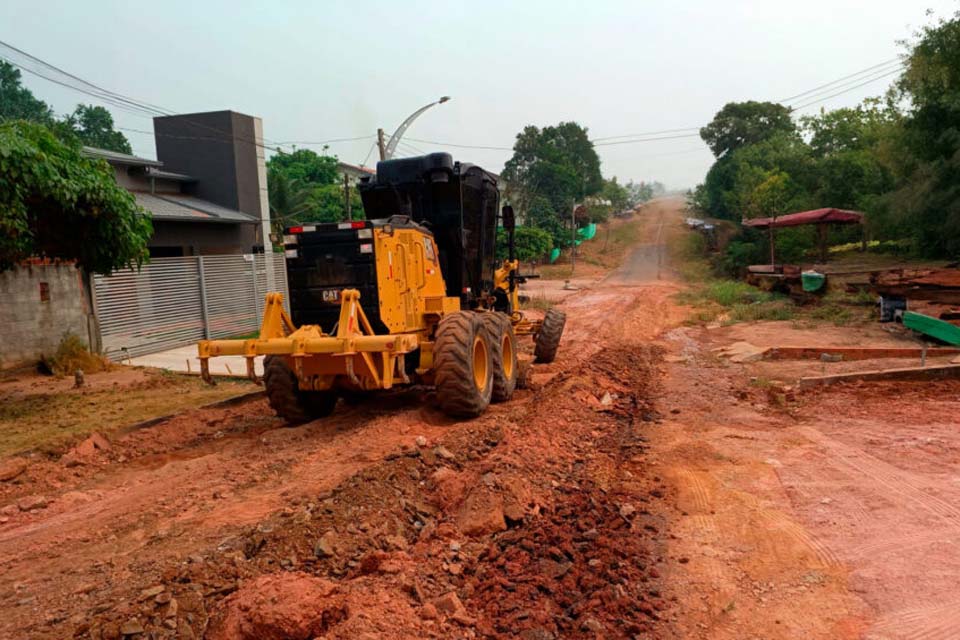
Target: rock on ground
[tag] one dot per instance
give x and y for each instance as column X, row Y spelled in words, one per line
column 281, row 606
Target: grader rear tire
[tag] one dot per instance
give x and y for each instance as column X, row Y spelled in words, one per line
column 548, row 338
column 286, row 398
column 463, row 367
column 503, row 352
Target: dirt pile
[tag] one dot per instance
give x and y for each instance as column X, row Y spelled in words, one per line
column 536, row 522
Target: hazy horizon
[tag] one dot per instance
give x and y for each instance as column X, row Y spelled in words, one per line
column 341, row 70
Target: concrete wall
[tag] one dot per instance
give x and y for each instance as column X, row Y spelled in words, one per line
column 31, row 327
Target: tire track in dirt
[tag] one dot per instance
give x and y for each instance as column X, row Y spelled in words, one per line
column 894, row 480
column 934, row 622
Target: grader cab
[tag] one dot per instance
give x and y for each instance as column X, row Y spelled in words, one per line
column 412, row 295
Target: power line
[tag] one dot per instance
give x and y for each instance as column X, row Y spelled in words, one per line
column 89, row 84
column 648, row 133
column 461, row 146
column 687, row 135
column 323, row 142
column 847, row 90
column 839, row 80
column 116, row 99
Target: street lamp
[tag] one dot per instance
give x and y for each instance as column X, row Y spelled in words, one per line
column 387, row 152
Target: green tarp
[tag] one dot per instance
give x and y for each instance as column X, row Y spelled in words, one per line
column 933, row 327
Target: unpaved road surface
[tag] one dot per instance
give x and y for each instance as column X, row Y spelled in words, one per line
column 640, row 488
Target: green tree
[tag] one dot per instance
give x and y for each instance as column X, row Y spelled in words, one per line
column 17, row 102
column 739, row 124
column 327, row 204
column 306, row 166
column 530, row 243
column 55, row 203
column 927, row 202
column 288, row 201
column 558, row 163
column 94, row 127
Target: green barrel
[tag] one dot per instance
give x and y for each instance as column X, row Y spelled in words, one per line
column 812, row 281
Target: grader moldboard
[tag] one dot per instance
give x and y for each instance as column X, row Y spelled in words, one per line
column 412, row 295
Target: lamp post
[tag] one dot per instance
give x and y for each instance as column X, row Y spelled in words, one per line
column 387, row 151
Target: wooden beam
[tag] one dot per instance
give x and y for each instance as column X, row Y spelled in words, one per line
column 855, row 353
column 943, row 372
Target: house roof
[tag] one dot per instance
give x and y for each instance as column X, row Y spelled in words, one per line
column 178, row 207
column 346, row 166
column 816, row 216
column 115, row 157
column 153, row 172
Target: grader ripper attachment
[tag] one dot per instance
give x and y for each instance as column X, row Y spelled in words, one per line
column 412, row 295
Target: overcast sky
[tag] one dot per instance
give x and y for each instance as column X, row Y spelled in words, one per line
column 320, row 70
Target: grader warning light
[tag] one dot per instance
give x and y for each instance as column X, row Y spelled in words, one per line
column 411, row 295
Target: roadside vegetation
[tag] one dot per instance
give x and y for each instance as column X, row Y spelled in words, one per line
column 716, row 298
column 893, row 157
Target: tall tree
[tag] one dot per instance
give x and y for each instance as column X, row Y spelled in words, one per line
column 739, row 124
column 17, row 102
column 930, row 157
column 305, row 166
column 94, row 127
column 550, row 170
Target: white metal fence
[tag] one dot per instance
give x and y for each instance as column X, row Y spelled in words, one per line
column 171, row 302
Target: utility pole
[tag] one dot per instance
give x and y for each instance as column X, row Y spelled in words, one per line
column 381, row 145
column 346, row 196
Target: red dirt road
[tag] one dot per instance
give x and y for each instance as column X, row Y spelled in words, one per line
column 642, row 488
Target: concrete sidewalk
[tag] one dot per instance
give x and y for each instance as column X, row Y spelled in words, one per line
column 185, row 360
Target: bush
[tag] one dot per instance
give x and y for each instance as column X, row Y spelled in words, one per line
column 72, row 354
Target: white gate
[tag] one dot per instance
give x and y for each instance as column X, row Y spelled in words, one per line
column 172, row 302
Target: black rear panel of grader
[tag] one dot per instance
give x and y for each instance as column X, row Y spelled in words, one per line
column 457, row 201
column 329, row 259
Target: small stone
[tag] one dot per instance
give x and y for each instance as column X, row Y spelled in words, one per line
column 421, row 441
column 131, row 627
column 30, row 503
column 454, row 546
column 10, row 469
column 163, row 598
column 428, row 612
column 606, row 400
column 455, row 569
column 445, row 453
column 591, row 624
column 627, row 510
column 326, row 546
column 448, row 603
column 396, row 542
column 152, row 592
column 172, row 609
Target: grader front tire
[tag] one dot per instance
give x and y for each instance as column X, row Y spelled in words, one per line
column 548, row 338
column 503, row 343
column 463, row 367
column 286, row 398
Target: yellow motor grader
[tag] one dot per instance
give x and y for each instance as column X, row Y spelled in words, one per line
column 412, row 295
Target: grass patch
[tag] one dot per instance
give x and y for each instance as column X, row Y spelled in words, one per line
column 539, row 302
column 50, row 422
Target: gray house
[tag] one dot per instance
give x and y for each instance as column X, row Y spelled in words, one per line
column 207, row 189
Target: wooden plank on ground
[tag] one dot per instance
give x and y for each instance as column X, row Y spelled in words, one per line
column 941, row 372
column 855, row 353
